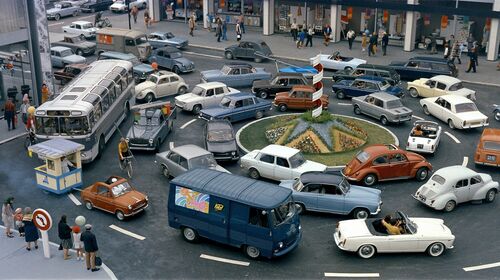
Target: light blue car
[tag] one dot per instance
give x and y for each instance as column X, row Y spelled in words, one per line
column 330, row 192
column 235, row 75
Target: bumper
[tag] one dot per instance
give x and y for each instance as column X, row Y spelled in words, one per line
column 379, row 208
column 142, row 147
column 137, row 211
column 487, row 163
column 226, row 156
column 401, row 120
column 337, row 241
column 421, row 150
column 474, row 125
column 289, row 248
column 424, row 201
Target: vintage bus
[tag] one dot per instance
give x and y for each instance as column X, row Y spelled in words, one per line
column 90, row 108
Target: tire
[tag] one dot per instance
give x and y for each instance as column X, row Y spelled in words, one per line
column 348, row 68
column 300, row 208
column 189, row 234
column 490, row 196
column 366, row 251
column 196, row 109
column 75, row 13
column 259, row 115
column 436, row 249
column 176, row 70
column 254, row 173
column 165, row 171
column 497, row 115
column 357, row 110
column 413, row 92
column 149, row 97
column 82, row 37
column 282, row 107
column 136, row 78
column 384, row 120
column 182, row 90
column 79, row 52
column 451, row 124
column 101, row 145
column 257, row 60
column 370, row 180
column 252, row 252
column 422, row 174
column 263, row 94
column 360, row 213
column 57, row 17
column 228, row 55
column 449, row 206
column 426, row 110
column 119, row 215
column 89, row 205
column 340, row 94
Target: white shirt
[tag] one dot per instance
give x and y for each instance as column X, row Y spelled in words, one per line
column 65, row 163
column 293, row 26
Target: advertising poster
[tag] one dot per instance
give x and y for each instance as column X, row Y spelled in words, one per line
column 191, row 199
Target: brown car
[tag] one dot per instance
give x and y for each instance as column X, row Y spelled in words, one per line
column 116, row 196
column 300, row 97
column 69, row 72
column 386, row 162
column 488, row 148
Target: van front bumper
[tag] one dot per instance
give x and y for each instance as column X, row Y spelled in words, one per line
column 289, row 248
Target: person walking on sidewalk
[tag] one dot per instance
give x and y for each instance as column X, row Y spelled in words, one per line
column 8, row 216
column 147, row 18
column 385, row 43
column 310, row 33
column 10, row 114
column 191, row 26
column 294, row 30
column 364, row 41
column 134, row 13
column 456, row 52
column 45, row 93
column 473, row 59
column 77, row 243
column 238, row 31
column 90, row 245
column 302, row 37
column 372, row 43
column 30, row 230
column 327, row 33
column 350, row 37
column 241, row 19
column 24, row 108
column 224, row 30
column 64, row 232
column 218, row 29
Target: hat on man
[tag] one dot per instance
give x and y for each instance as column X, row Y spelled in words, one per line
column 88, row 226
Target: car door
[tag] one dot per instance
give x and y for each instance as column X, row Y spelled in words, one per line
column 233, row 78
column 409, row 71
column 370, row 87
column 308, row 102
column 211, row 99
column 265, row 165
column 382, row 166
column 331, row 199
column 163, row 87
column 377, row 108
column 462, row 190
column 173, row 85
column 356, row 88
column 400, row 165
column 282, row 170
column 425, row 69
column 218, row 219
column 437, row 108
column 246, row 110
column 406, row 242
column 309, row 196
column 247, row 75
column 440, row 89
column 102, row 197
column 296, row 100
column 169, row 62
column 172, row 162
column 475, row 184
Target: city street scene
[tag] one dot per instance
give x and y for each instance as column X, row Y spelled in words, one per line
column 256, row 139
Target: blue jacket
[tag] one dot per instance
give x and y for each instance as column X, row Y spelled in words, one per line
column 302, row 35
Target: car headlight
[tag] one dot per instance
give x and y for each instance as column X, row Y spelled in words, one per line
column 130, row 207
column 150, row 141
column 146, row 198
column 233, row 153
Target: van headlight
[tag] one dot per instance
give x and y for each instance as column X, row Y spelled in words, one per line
column 280, row 245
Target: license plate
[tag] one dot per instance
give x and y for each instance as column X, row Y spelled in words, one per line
column 422, row 198
column 420, row 146
column 491, row 158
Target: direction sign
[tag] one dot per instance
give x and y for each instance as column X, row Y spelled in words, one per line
column 42, row 219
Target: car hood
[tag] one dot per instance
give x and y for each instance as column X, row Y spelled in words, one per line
column 215, row 111
column 144, row 68
column 282, row 95
column 184, row 61
column 75, row 58
column 352, row 167
column 142, row 132
column 310, row 166
column 207, row 74
column 222, row 147
column 130, row 198
column 188, row 98
column 262, row 83
column 475, row 115
column 431, row 227
column 144, row 85
column 353, row 228
column 394, row 90
column 465, row 92
column 177, row 40
column 367, row 195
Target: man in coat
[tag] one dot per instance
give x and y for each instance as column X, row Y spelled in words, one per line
column 90, row 246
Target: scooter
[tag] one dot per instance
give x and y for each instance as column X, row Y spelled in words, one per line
column 99, row 22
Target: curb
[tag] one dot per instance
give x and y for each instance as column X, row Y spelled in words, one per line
column 13, row 138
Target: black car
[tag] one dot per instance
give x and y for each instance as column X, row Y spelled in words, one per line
column 96, row 5
column 368, row 70
column 257, row 50
column 220, row 140
column 424, row 67
column 279, row 83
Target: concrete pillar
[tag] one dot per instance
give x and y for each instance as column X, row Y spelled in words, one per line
column 154, row 10
column 335, row 23
column 411, row 28
column 268, row 17
column 205, row 12
column 494, row 40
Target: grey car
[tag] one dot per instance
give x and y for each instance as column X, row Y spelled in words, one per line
column 171, row 58
column 62, row 56
column 62, row 9
column 257, row 50
column 78, row 45
column 183, row 158
column 141, row 70
column 166, row 39
column 236, row 75
column 220, row 140
column 382, row 106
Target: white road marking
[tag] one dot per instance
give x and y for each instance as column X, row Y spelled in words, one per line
column 171, row 145
column 344, row 104
column 208, row 257
column 452, row 137
column 74, row 199
column 479, row 267
column 202, row 54
column 465, row 161
column 13, row 138
column 57, row 23
column 417, row 117
column 352, row 275
column 188, row 123
column 124, row 231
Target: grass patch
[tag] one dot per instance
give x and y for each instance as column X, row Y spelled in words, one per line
column 324, row 117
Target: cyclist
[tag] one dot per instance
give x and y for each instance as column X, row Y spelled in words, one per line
column 123, row 150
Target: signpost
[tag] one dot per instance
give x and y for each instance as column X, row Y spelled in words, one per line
column 43, row 222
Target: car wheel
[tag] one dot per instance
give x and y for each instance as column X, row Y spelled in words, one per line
column 229, row 55
column 449, row 206
column 490, row 196
column 79, row 52
column 259, row 115
column 422, row 174
column 119, row 215
column 136, row 78
column 254, row 173
column 357, row 110
column 196, row 109
column 360, row 213
column 57, row 17
column 451, row 124
column 497, row 115
column 370, row 180
column 149, row 97
column 300, row 208
column 89, row 205
column 348, row 68
column 189, row 234
column 384, row 120
column 165, row 171
column 413, row 92
column 257, row 60
column 340, row 94
column 436, row 249
column 366, row 251
column 176, row 70
column 182, row 90
column 282, row 107
column 92, row 10
column 426, row 110
column 252, row 252
column 263, row 94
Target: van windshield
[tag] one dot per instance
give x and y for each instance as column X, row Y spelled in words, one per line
column 283, row 213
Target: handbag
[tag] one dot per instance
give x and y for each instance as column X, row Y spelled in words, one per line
column 238, row 36
column 98, row 261
column 60, row 247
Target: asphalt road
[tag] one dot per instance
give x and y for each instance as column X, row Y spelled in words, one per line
column 164, row 254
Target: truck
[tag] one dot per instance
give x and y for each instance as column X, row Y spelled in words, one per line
column 123, row 40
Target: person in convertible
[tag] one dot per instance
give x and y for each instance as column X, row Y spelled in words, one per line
column 392, row 227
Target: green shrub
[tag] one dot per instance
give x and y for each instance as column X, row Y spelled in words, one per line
column 324, row 117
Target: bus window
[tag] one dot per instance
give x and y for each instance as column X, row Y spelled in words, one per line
column 118, row 90
column 111, row 93
column 97, row 112
column 105, row 102
column 46, row 125
column 74, row 126
column 91, row 120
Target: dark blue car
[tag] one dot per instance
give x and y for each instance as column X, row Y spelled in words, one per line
column 364, row 86
column 424, row 67
column 237, row 107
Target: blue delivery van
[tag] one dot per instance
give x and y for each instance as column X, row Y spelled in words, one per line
column 256, row 216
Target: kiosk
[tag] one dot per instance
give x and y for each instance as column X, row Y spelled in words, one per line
column 62, row 170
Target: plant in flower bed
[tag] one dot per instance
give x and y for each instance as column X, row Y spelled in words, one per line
column 307, row 145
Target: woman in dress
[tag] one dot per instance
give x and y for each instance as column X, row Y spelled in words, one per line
column 8, row 216
column 30, row 230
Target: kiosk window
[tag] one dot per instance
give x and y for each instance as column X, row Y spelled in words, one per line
column 258, row 217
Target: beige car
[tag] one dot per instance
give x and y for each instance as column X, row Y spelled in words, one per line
column 439, row 85
column 160, row 84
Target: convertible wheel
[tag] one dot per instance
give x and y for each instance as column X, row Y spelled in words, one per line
column 426, row 110
column 370, row 180
column 361, row 214
column 340, row 94
column 490, row 195
column 449, row 206
column 357, row 111
column 422, row 174
column 252, row 252
column 366, row 251
column 435, row 249
column 451, row 124
column 413, row 92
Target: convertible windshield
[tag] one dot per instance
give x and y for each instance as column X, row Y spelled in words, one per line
column 393, row 104
column 297, row 160
column 438, row 179
column 411, row 226
column 121, row 189
column 362, row 156
column 465, row 107
column 225, row 70
column 283, row 213
column 197, row 90
column 221, row 135
column 202, row 162
column 384, row 85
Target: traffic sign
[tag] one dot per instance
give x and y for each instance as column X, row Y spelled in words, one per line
column 42, row 219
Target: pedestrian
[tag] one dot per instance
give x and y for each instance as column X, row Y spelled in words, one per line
column 294, row 30
column 456, row 52
column 238, row 31
column 372, row 44
column 154, row 65
column 24, row 108
column 30, row 230
column 364, row 41
column 224, row 30
column 90, row 245
column 385, row 43
column 473, row 59
column 134, row 13
column 351, row 35
column 327, row 33
column 8, row 216
column 45, row 93
column 10, row 114
column 241, row 19
column 310, row 33
column 302, row 37
column 77, row 243
column 18, row 218
column 65, row 235
column 191, row 26
column 433, row 43
column 218, row 29
column 147, row 18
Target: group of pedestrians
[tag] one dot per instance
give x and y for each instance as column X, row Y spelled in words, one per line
column 20, row 219
column 305, row 34
column 453, row 51
column 11, row 113
column 220, row 29
column 134, row 12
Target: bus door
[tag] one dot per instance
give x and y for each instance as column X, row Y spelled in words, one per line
column 218, row 219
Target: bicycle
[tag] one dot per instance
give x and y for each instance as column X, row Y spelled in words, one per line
column 30, row 139
column 126, row 164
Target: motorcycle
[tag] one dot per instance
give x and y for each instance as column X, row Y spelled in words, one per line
column 100, row 22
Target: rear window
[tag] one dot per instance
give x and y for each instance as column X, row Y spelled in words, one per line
column 488, row 145
column 438, row 179
column 440, row 67
column 393, row 104
column 465, row 107
column 456, row 86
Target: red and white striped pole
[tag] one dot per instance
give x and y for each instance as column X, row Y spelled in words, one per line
column 318, row 85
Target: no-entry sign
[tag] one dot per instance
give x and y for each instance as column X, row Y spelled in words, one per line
column 42, row 219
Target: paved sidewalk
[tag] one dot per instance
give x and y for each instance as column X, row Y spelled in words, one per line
column 18, row 263
column 6, row 135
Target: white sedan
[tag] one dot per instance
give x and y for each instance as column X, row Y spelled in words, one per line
column 120, row 6
column 338, row 62
column 457, row 111
column 367, row 237
column 159, row 85
column 452, row 185
column 424, row 137
column 439, row 85
column 82, row 28
column 204, row 95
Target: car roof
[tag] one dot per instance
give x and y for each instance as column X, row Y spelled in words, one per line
column 375, row 67
column 318, row 177
column 118, row 55
column 455, row 170
column 455, row 99
column 384, row 96
column 210, row 85
column 376, row 149
column 218, row 124
column 430, row 58
column 239, row 95
column 190, row 151
column 371, row 79
column 168, row 49
column 446, row 79
column 233, row 187
column 80, row 22
column 278, row 150
column 304, row 88
column 59, row 48
column 491, row 134
column 235, row 64
column 163, row 73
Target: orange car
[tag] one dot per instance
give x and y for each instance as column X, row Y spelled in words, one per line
column 488, row 148
column 115, row 196
column 386, row 162
column 300, row 97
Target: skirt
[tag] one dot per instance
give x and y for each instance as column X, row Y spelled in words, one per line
column 66, row 243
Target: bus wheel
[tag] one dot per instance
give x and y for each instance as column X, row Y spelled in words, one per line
column 101, row 146
column 252, row 252
column 189, row 234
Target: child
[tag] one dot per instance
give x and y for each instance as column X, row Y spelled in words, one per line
column 77, row 244
column 18, row 217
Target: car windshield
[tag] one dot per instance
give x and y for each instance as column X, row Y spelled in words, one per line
column 169, row 35
column 438, row 179
column 456, row 86
column 384, row 85
column 344, row 186
column 393, row 104
column 410, row 225
column 489, row 145
column 297, row 160
column 220, row 135
column 225, row 70
column 58, row 6
column 284, row 212
column 465, row 107
column 121, row 189
column 66, row 53
column 362, row 156
column 175, row 55
column 197, row 90
column 202, row 162
column 153, row 79
column 225, row 102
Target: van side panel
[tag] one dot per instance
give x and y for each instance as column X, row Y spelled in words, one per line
column 238, row 221
column 218, row 219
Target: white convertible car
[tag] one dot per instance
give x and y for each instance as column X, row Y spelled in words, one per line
column 456, row 184
column 439, row 85
column 367, row 237
column 338, row 62
column 457, row 111
column 424, row 137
